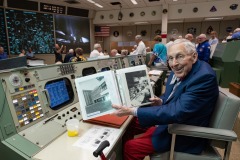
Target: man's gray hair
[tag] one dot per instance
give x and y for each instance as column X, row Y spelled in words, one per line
column 97, row 45
column 189, row 46
column 138, row 37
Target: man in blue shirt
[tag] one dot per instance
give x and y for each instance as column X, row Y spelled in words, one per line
column 30, row 53
column 203, row 48
column 3, row 55
column 236, row 34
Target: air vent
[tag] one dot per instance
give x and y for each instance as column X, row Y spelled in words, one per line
column 153, row 0
column 115, row 3
column 72, row 1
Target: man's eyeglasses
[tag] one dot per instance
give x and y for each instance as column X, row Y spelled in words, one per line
column 179, row 58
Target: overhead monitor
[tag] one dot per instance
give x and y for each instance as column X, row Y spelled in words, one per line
column 30, row 29
column 3, row 36
column 72, row 32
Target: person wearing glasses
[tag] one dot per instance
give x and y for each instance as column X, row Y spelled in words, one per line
column 190, row 97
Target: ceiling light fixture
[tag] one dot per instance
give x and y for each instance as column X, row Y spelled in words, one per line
column 213, row 18
column 141, row 23
column 134, row 2
column 175, row 0
column 120, row 15
column 98, row 5
column 91, row 1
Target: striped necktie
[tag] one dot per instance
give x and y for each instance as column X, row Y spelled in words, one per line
column 175, row 81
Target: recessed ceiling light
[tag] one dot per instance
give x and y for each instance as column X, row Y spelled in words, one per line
column 134, row 2
column 141, row 23
column 175, row 0
column 100, row 6
column 91, row 1
column 213, row 18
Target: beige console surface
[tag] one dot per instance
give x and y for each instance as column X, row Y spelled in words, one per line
column 62, row 148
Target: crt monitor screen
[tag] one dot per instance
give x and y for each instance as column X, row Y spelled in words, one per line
column 60, row 93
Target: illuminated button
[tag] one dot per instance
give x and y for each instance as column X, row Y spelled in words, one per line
column 26, row 122
column 21, row 89
column 41, row 115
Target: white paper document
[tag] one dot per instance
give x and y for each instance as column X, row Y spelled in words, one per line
column 155, row 72
column 95, row 135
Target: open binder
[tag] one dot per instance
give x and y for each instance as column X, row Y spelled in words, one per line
column 129, row 86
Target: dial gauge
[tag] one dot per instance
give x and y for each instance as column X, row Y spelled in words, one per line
column 15, row 80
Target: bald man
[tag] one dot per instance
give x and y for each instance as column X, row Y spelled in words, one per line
column 203, row 48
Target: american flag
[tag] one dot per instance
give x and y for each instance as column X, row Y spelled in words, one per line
column 102, row 31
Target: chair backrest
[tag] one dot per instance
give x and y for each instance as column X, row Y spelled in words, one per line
column 225, row 112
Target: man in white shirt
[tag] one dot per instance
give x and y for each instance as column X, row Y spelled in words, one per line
column 213, row 40
column 97, row 51
column 141, row 48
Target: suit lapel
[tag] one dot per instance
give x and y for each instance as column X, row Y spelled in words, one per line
column 184, row 82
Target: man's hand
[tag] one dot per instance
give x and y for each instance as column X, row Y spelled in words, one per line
column 156, row 101
column 122, row 110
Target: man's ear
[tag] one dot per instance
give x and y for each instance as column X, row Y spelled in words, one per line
column 195, row 57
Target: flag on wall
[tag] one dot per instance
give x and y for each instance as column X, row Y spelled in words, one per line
column 102, row 31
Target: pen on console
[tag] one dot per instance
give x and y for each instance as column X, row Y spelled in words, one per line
column 50, row 119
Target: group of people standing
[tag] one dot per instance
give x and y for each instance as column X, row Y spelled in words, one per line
column 202, row 44
column 71, row 56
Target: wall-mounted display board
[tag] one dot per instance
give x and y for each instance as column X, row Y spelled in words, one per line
column 30, row 29
column 52, row 8
column 1, row 2
column 77, row 12
column 3, row 36
column 73, row 32
column 23, row 4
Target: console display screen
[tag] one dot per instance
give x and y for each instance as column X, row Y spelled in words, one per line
column 60, row 93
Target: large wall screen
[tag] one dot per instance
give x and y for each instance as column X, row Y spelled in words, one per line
column 73, row 32
column 3, row 37
column 30, row 29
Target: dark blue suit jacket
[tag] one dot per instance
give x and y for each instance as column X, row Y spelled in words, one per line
column 192, row 103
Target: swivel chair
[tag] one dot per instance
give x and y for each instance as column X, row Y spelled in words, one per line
column 219, row 132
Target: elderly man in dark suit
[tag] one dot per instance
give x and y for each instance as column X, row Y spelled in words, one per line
column 190, row 97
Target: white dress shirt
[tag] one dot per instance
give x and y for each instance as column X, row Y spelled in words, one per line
column 141, row 49
column 95, row 53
